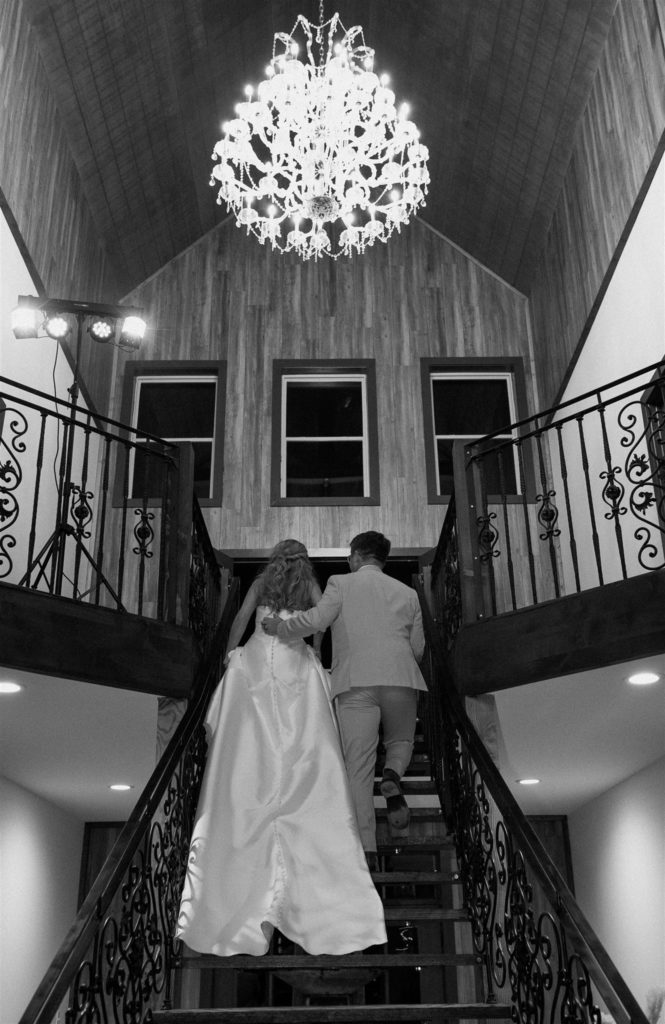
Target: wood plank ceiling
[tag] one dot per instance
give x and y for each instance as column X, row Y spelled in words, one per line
column 495, row 86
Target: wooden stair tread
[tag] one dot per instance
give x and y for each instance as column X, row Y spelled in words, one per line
column 412, row 786
column 414, row 878
column 432, row 813
column 300, row 961
column 425, row 1012
column 402, row 912
column 415, row 844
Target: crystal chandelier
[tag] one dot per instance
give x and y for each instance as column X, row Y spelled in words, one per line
column 317, row 159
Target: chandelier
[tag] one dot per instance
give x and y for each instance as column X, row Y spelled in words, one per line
column 317, row 160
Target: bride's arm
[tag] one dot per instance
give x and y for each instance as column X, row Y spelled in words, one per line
column 317, row 639
column 239, row 624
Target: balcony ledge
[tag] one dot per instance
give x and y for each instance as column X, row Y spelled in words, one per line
column 61, row 637
column 605, row 626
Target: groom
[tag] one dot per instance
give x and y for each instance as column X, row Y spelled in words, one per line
column 378, row 638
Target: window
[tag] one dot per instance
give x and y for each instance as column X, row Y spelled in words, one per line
column 465, row 400
column 324, row 433
column 178, row 402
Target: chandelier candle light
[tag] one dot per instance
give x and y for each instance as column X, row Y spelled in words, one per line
column 317, row 159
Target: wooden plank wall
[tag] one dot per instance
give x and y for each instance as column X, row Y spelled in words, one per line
column 228, row 297
column 616, row 142
column 41, row 190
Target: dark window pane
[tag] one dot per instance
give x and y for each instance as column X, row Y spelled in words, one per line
column 492, row 466
column 444, row 452
column 177, row 408
column 470, row 406
column 202, row 468
column 498, row 468
column 323, row 409
column 317, row 469
column 149, row 477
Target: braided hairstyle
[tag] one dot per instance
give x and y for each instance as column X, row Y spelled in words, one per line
column 287, row 580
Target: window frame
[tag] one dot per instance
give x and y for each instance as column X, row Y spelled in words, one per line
column 510, row 368
column 170, row 371
column 287, row 370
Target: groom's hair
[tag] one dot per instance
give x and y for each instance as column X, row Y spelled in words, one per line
column 371, row 545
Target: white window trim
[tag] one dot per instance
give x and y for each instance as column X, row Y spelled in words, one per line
column 328, row 378
column 474, row 376
column 181, row 378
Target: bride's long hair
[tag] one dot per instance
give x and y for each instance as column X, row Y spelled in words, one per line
column 287, row 580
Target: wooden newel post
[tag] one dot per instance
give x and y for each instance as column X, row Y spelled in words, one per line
column 178, row 527
column 471, row 577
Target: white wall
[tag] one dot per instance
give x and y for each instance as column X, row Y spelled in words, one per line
column 628, row 334
column 38, row 363
column 629, row 329
column 40, row 860
column 618, row 850
column 29, row 362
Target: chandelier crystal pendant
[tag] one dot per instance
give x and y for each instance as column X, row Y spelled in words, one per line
column 317, row 159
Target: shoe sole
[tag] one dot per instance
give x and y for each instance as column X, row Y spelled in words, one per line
column 397, row 809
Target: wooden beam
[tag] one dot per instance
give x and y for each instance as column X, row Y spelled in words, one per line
column 60, row 637
column 604, row 626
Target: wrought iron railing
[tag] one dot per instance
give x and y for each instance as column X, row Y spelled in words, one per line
column 116, row 962
column 92, row 511
column 539, row 952
column 573, row 500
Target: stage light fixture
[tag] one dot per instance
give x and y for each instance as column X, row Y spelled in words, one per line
column 101, row 330
column 56, row 327
column 26, row 320
column 133, row 330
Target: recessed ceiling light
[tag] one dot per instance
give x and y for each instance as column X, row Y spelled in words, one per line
column 643, row 678
column 7, row 687
column 120, row 787
column 528, row 782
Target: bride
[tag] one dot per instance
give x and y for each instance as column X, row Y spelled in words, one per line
column 275, row 841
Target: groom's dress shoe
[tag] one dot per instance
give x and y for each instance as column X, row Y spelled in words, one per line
column 396, row 806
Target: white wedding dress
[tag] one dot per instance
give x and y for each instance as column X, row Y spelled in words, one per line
column 275, row 842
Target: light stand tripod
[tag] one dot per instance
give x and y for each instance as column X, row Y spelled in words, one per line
column 53, row 552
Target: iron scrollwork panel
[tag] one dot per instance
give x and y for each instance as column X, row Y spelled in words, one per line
column 644, row 439
column 130, row 961
column 523, row 949
column 13, row 426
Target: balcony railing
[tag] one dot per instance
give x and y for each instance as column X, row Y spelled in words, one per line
column 574, row 500
column 92, row 511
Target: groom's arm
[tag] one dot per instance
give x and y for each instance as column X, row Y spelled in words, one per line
column 417, row 635
column 316, row 619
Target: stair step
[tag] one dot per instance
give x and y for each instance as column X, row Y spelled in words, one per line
column 420, row 765
column 415, row 844
column 410, row 786
column 422, row 813
column 298, row 961
column 408, row 912
column 414, row 878
column 426, row 1013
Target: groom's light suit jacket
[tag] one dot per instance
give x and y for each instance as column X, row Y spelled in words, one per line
column 377, row 630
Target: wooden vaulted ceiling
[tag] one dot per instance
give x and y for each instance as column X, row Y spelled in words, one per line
column 496, row 87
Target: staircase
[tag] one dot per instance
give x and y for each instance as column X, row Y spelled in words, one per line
column 426, row 972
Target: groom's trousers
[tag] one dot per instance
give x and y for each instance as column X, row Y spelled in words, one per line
column 360, row 710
